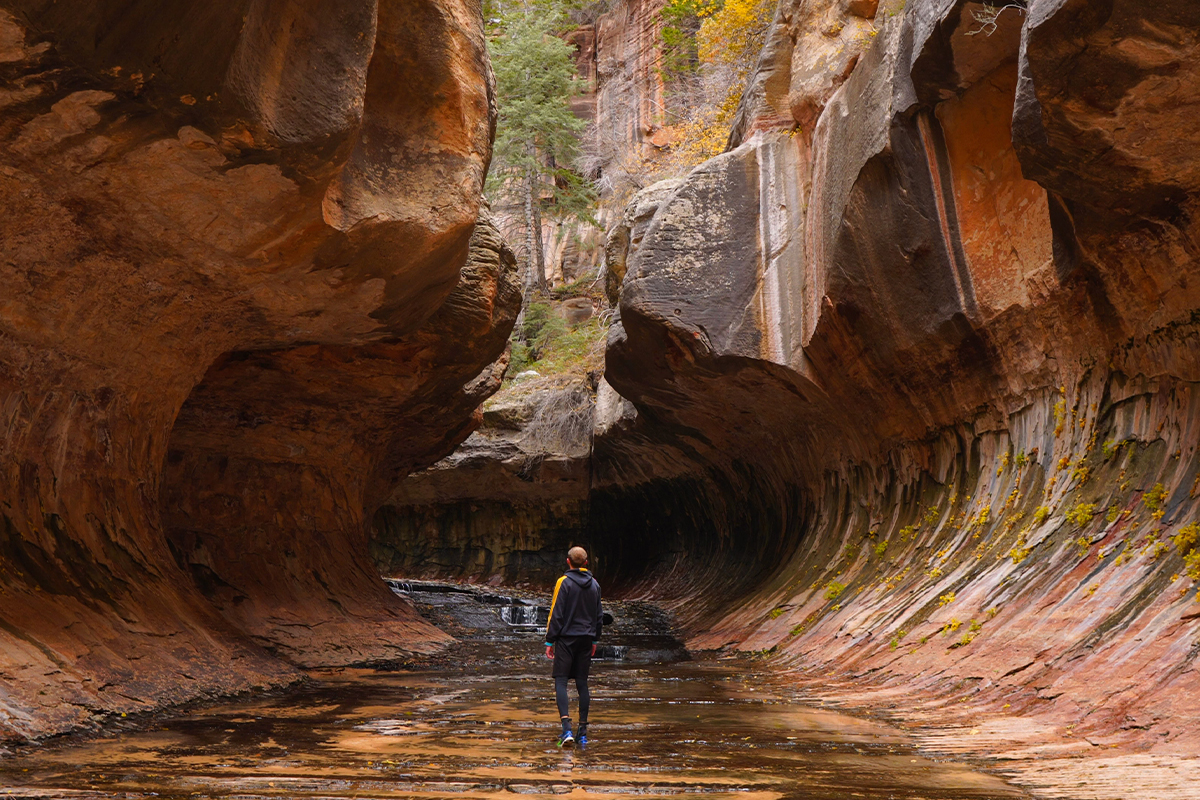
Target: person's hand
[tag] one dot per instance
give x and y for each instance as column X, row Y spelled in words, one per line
column 550, row 652
column 593, row 649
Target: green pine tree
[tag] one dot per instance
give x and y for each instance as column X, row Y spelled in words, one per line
column 537, row 135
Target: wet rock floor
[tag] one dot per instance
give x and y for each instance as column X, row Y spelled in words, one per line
column 480, row 722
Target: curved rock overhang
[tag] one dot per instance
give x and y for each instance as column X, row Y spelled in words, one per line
column 943, row 344
column 227, row 229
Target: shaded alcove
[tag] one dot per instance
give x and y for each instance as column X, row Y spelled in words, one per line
column 278, row 458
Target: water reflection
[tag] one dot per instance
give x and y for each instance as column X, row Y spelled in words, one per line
column 483, row 724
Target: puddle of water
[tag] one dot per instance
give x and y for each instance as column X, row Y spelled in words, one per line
column 483, row 725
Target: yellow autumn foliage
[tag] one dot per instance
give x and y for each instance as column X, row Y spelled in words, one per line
column 706, row 133
column 734, row 34
column 730, row 38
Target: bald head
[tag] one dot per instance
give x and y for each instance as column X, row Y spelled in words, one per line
column 577, row 556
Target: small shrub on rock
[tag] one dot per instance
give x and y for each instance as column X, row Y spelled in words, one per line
column 1154, row 498
column 1187, row 537
column 1082, row 514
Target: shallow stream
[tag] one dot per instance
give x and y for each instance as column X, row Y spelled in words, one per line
column 481, row 723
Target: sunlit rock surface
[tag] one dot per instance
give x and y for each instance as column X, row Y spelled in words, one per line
column 629, row 92
column 626, row 235
column 233, row 315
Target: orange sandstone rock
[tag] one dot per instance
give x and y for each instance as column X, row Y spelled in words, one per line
column 233, row 246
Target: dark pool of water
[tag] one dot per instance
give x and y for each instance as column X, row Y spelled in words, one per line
column 482, row 724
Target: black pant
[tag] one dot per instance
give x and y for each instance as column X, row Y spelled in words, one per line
column 572, row 659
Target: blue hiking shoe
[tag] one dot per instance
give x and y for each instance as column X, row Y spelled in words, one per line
column 581, row 738
column 567, row 740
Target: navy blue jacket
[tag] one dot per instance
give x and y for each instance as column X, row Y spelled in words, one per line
column 575, row 608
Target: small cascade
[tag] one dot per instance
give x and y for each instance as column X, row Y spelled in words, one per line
column 525, row 617
column 611, row 652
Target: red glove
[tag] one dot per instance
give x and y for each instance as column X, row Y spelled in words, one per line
column 593, row 648
column 550, row 652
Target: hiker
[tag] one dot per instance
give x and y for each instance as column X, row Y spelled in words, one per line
column 571, row 637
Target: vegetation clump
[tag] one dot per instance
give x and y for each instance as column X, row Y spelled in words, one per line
column 710, row 47
column 1155, row 498
column 988, row 19
column 1187, row 542
column 545, row 343
column 1113, row 446
column 1154, row 546
column 1191, row 565
column 1082, row 514
column 1187, row 537
column 1020, row 550
column 1080, row 473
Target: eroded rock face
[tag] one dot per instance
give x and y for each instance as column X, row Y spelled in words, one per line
column 250, row 217
column 626, row 235
column 510, row 501
column 629, row 90
column 911, row 334
column 278, row 459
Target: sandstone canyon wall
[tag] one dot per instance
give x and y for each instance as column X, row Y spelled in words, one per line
column 909, row 373
column 622, row 97
column 507, row 504
column 245, row 291
column 950, row 328
column 903, row 384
